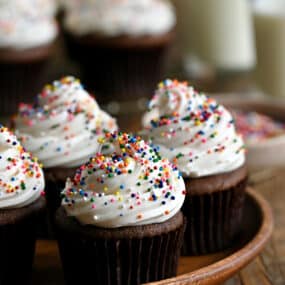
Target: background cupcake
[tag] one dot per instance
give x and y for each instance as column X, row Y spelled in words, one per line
column 27, row 34
column 120, row 217
column 62, row 129
column 21, row 185
column 199, row 136
column 121, row 45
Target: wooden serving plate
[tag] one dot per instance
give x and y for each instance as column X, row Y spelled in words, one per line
column 203, row 270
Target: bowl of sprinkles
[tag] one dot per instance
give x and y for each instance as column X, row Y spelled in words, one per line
column 262, row 125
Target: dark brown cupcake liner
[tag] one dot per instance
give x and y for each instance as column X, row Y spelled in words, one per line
column 20, row 83
column 214, row 220
column 17, row 243
column 119, row 74
column 55, row 183
column 119, row 261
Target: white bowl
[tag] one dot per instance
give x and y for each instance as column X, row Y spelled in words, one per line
column 270, row 152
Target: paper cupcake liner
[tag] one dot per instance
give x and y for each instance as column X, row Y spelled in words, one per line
column 55, row 183
column 53, row 195
column 20, row 83
column 17, row 245
column 127, row 261
column 116, row 74
column 214, row 220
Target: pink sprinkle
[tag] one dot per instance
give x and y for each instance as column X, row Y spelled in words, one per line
column 70, row 117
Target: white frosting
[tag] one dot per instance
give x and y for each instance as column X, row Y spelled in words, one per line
column 193, row 131
column 27, row 24
column 129, row 186
column 125, row 17
column 21, row 178
column 63, row 127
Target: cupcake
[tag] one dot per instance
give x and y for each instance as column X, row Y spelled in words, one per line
column 120, row 219
column 121, row 45
column 21, row 185
column 198, row 135
column 61, row 129
column 27, row 34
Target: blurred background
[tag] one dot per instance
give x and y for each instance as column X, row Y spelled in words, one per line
column 220, row 46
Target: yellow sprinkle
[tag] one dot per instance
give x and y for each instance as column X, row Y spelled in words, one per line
column 101, row 140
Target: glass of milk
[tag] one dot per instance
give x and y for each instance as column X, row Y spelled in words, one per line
column 219, row 32
column 269, row 19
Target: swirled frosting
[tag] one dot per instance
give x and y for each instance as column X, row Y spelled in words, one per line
column 129, row 185
column 193, row 131
column 27, row 24
column 125, row 17
column 21, row 178
column 63, row 126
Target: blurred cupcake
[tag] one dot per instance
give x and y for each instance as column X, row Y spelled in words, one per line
column 199, row 136
column 27, row 34
column 121, row 45
column 62, row 129
column 21, row 185
column 120, row 216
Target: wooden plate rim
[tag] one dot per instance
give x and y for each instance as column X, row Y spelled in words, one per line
column 225, row 268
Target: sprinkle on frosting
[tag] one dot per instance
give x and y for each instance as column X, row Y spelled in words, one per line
column 192, row 130
column 256, row 127
column 63, row 125
column 21, row 177
column 130, row 184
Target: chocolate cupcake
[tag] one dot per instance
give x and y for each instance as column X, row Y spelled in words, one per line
column 199, row 136
column 122, row 46
column 120, row 216
column 27, row 34
column 62, row 129
column 21, row 185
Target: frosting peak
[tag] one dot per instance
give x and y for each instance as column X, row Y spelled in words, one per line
column 130, row 184
column 63, row 126
column 193, row 130
column 21, row 178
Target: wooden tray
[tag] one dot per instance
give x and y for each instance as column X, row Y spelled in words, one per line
column 202, row 270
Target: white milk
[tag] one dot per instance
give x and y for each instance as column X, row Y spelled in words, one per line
column 220, row 32
column 269, row 18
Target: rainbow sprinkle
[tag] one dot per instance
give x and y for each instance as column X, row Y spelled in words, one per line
column 24, row 164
